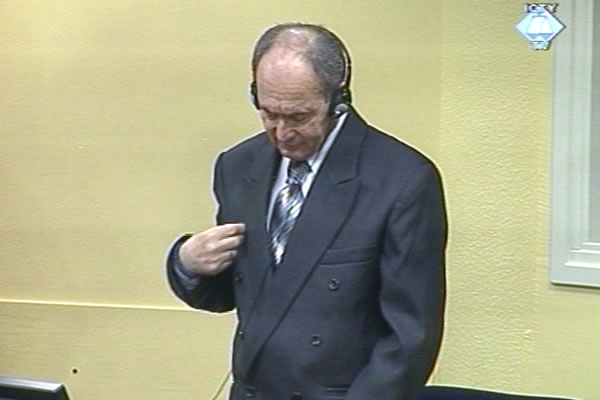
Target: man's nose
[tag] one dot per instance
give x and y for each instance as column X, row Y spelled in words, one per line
column 281, row 130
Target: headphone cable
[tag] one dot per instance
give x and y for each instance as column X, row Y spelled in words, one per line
column 221, row 386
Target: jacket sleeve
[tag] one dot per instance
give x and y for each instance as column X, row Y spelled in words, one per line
column 210, row 293
column 412, row 293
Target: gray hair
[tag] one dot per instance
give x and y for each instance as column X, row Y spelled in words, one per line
column 319, row 46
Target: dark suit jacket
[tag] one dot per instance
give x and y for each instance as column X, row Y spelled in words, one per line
column 355, row 309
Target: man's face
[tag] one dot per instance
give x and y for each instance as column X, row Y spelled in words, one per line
column 293, row 109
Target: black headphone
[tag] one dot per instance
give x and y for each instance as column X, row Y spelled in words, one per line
column 339, row 100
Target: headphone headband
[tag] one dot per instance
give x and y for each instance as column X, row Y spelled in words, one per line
column 341, row 98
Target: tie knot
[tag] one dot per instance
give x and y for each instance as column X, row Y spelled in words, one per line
column 297, row 172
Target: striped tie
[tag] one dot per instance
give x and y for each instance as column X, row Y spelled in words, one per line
column 287, row 207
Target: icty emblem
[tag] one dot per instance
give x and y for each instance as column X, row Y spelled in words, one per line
column 539, row 25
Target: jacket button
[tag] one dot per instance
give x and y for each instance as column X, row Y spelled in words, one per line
column 296, row 396
column 240, row 334
column 315, row 340
column 239, row 277
column 250, row 392
column 334, row 284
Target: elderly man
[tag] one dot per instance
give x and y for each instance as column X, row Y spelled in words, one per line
column 329, row 242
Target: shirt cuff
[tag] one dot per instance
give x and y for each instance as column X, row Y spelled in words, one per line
column 187, row 278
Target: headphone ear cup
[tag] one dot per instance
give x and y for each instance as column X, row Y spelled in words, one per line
column 339, row 102
column 253, row 94
column 346, row 95
column 334, row 101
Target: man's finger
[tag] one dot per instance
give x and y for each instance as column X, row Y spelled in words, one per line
column 230, row 243
column 232, row 229
column 226, row 257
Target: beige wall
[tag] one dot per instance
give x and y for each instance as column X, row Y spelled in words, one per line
column 112, row 113
column 508, row 327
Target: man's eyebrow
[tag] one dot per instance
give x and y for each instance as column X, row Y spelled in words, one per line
column 293, row 113
column 265, row 109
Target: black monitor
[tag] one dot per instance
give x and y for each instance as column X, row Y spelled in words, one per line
column 26, row 389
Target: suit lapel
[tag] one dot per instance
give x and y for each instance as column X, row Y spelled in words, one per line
column 325, row 209
column 260, row 180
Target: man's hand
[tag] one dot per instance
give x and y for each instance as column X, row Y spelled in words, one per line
column 213, row 250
